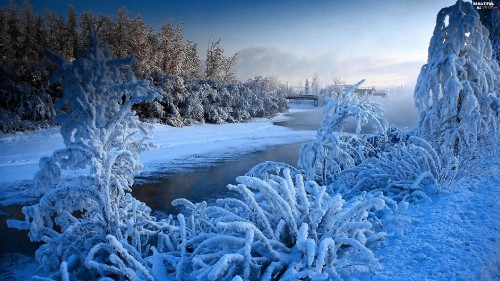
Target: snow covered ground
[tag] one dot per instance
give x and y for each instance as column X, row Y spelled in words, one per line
column 454, row 237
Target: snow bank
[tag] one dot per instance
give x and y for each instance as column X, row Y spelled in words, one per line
column 456, row 237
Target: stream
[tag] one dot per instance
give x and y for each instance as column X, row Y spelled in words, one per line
column 209, row 183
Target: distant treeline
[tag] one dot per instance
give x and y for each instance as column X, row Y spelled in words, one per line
column 162, row 56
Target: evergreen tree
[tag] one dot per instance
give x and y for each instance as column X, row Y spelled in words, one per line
column 191, row 63
column 171, row 48
column 72, row 34
column 56, row 33
column 119, row 43
column 28, row 44
column 315, row 85
column 143, row 45
column 14, row 50
column 4, row 38
column 218, row 65
column 105, row 27
column 40, row 37
column 87, row 23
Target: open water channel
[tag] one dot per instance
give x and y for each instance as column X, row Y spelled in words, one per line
column 209, row 183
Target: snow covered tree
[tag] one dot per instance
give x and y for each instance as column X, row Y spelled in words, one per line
column 458, row 90
column 14, row 35
column 306, row 87
column 171, row 48
column 28, row 43
column 143, row 44
column 315, row 85
column 105, row 28
column 89, row 223
column 490, row 18
column 191, row 63
column 218, row 65
column 334, row 151
column 87, row 23
column 215, row 60
column 495, row 44
column 4, row 38
column 40, row 37
column 71, row 31
column 406, row 168
column 396, row 164
column 56, row 33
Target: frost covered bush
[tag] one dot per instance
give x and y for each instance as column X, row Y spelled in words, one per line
column 280, row 227
column 9, row 121
column 25, row 98
column 333, row 150
column 397, row 164
column 458, row 88
column 89, row 223
column 406, row 170
column 188, row 99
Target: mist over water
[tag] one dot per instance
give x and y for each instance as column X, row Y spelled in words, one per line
column 399, row 107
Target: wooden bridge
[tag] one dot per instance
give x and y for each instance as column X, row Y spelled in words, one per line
column 303, row 97
column 370, row 91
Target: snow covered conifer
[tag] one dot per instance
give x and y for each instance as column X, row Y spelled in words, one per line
column 171, row 48
column 191, row 62
column 315, row 85
column 458, row 89
column 219, row 66
column 85, row 216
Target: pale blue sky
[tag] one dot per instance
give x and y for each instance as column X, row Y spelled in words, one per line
column 384, row 41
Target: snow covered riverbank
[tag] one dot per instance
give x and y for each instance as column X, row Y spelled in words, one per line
column 196, row 145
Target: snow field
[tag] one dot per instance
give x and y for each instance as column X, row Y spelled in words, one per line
column 455, row 237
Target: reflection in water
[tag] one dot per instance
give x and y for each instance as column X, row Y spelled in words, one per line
column 14, row 240
column 209, row 183
column 303, row 120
